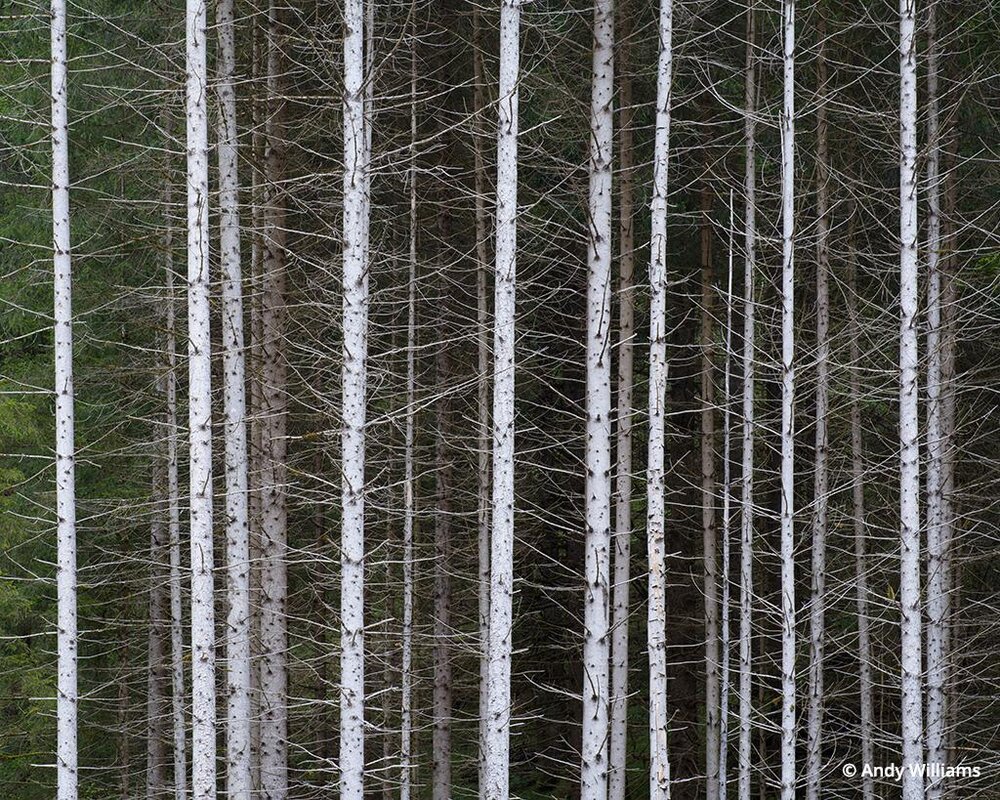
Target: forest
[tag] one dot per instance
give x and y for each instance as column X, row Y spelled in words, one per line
column 529, row 399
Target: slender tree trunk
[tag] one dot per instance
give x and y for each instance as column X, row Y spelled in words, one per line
column 708, row 487
column 727, row 486
column 483, row 386
column 156, row 672
column 909, row 466
column 406, row 679
column 659, row 762
column 865, row 684
column 623, row 471
column 274, row 470
column 442, row 699
column 66, row 699
column 354, row 382
column 174, row 522
column 749, row 360
column 788, row 772
column 200, row 412
column 937, row 597
column 497, row 771
column 596, row 605
column 821, row 483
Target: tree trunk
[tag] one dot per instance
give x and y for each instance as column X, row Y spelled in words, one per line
column 156, row 672
column 66, row 702
column 234, row 399
column 354, row 383
column 817, row 608
column 483, row 386
column 406, row 679
column 937, row 589
column 909, row 466
column 596, row 603
column 724, row 680
column 623, row 471
column 708, row 487
column 274, row 470
column 659, row 763
column 788, row 773
column 200, row 412
column 858, row 514
column 497, row 771
column 749, row 358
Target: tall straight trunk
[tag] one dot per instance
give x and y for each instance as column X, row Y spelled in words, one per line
column 256, row 448
column 909, row 465
column 442, row 694
column 656, row 613
column 483, row 396
column 788, row 774
column 708, row 486
column 821, row 483
column 865, row 684
column 66, row 698
column 200, row 412
column 623, row 435
column 406, row 668
column 177, row 698
column 234, row 400
column 727, row 491
column 937, row 588
column 354, row 383
column 274, row 469
column 596, row 602
column 749, row 356
column 156, row 671
column 497, row 771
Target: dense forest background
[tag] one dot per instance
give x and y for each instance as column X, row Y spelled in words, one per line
column 127, row 166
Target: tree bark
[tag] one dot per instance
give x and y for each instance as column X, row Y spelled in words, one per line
column 234, row 400
column 203, row 701
column 659, row 763
column 821, row 483
column 156, row 672
column 66, row 698
column 788, row 772
column 623, row 443
column 749, row 423
column 596, row 601
column 909, row 466
column 354, row 385
column 497, row 771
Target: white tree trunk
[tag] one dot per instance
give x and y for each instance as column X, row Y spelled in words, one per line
column 234, row 399
column 909, row 466
column 174, row 521
column 406, row 679
column 788, row 774
column 274, row 469
column 483, row 386
column 597, row 578
column 66, row 698
column 858, row 515
column 708, row 487
column 200, row 411
column 354, row 383
column 937, row 598
column 821, row 483
column 497, row 771
column 747, row 467
column 442, row 695
column 623, row 443
column 659, row 763
column 724, row 676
